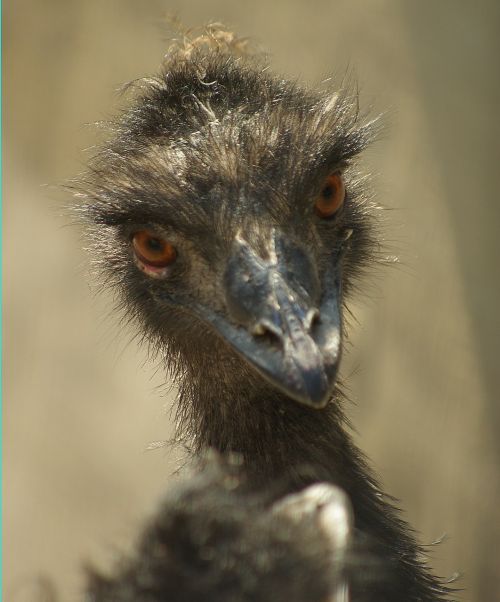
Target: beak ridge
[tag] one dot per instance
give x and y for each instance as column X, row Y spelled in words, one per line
column 291, row 341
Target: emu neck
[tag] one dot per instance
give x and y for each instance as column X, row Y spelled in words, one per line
column 279, row 438
column 285, row 444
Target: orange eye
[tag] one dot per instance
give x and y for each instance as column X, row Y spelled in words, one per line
column 153, row 250
column 332, row 195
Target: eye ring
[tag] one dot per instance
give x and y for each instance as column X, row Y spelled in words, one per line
column 153, row 251
column 332, row 196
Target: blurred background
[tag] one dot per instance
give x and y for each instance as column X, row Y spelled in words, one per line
column 82, row 404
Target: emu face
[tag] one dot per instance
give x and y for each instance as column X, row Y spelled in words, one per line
column 227, row 213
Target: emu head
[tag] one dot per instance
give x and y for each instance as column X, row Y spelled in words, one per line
column 227, row 211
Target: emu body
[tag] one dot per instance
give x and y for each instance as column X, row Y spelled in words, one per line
column 224, row 161
column 213, row 540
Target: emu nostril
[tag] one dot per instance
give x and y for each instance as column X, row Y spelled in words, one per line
column 312, row 318
column 267, row 330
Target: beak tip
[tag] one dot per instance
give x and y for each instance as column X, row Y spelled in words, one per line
column 321, row 387
column 318, row 400
column 317, row 404
column 316, row 391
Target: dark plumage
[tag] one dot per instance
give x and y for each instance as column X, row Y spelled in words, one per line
column 213, row 540
column 224, row 161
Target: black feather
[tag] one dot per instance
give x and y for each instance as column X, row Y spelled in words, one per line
column 214, row 540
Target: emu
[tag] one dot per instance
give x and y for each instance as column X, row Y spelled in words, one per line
column 228, row 212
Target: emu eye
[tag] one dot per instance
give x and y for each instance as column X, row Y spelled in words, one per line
column 153, row 251
column 332, row 195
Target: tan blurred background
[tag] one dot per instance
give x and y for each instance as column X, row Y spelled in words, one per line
column 82, row 405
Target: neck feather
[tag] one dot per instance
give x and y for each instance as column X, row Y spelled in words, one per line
column 287, row 445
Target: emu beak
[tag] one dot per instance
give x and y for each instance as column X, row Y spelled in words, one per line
column 284, row 322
